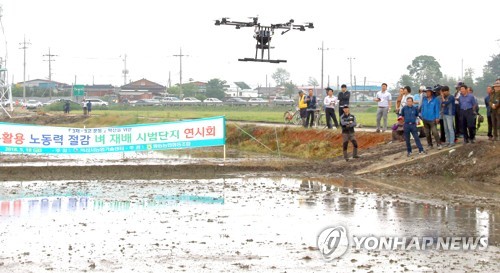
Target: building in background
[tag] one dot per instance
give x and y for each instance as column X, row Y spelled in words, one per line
column 240, row 90
column 141, row 89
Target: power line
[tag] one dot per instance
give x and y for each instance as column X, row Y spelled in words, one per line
column 24, row 45
column 350, row 67
column 50, row 60
column 322, row 48
column 125, row 70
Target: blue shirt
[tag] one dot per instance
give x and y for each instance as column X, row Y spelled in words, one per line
column 311, row 103
column 449, row 106
column 416, row 99
column 410, row 114
column 488, row 107
column 430, row 109
column 467, row 102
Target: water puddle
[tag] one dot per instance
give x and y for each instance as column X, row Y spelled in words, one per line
column 223, row 225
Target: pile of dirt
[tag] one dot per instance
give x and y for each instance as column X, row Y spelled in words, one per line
column 477, row 162
column 297, row 142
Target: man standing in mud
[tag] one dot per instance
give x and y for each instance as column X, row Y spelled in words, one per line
column 89, row 107
column 410, row 113
column 344, row 97
column 348, row 123
column 383, row 98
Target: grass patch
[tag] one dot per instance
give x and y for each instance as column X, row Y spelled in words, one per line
column 122, row 115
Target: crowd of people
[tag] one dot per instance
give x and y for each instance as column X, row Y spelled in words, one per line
column 433, row 112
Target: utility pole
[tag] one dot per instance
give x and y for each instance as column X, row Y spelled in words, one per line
column 125, row 71
column 350, row 67
column 267, row 90
column 322, row 48
column 24, row 45
column 169, row 80
column 180, row 71
column 462, row 70
column 50, row 60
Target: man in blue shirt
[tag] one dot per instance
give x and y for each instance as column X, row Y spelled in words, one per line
column 467, row 104
column 410, row 114
column 430, row 112
column 448, row 105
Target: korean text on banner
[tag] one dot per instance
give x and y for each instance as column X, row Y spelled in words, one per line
column 32, row 139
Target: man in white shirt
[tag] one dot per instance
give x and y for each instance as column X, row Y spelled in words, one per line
column 406, row 95
column 330, row 102
column 383, row 98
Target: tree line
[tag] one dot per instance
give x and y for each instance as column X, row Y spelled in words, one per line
column 426, row 70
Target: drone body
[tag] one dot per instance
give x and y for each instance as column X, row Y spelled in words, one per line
column 263, row 35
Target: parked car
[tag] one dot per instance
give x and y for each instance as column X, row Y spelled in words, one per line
column 97, row 102
column 33, row 104
column 191, row 101
column 212, row 101
column 52, row 101
column 6, row 103
column 235, row 101
column 147, row 102
column 257, row 101
column 283, row 100
column 173, row 101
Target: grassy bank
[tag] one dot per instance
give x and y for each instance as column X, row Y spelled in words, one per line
column 364, row 115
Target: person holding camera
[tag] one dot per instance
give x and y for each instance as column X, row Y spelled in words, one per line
column 348, row 123
column 329, row 103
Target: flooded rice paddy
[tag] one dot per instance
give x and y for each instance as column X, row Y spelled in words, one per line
column 246, row 224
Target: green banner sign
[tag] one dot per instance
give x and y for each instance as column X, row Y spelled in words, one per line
column 78, row 90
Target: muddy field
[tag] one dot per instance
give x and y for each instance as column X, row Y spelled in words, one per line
column 257, row 211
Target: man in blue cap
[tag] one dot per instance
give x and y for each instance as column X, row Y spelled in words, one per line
column 430, row 110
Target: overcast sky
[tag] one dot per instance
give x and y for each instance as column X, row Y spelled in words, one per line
column 90, row 38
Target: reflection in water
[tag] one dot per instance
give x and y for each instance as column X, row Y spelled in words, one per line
column 336, row 200
column 55, row 204
column 372, row 215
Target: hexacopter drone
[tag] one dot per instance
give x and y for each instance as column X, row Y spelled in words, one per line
column 263, row 35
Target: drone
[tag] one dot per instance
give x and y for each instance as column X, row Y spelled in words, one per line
column 263, row 35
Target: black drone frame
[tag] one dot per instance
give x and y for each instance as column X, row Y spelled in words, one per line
column 263, row 35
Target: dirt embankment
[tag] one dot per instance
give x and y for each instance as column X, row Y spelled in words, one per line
column 42, row 118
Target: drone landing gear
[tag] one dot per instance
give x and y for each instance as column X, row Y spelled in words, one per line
column 261, row 60
column 263, row 36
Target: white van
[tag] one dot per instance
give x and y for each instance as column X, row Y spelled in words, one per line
column 97, row 102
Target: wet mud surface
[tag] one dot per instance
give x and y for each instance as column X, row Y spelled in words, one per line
column 242, row 224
